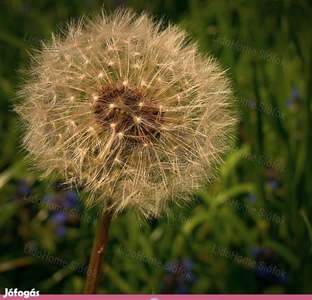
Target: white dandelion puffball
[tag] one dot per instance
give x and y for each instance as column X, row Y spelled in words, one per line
column 128, row 109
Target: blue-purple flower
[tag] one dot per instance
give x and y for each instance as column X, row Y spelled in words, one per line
column 64, row 202
column 267, row 270
column 294, row 98
column 179, row 277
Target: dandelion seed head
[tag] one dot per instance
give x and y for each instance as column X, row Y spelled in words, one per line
column 128, row 110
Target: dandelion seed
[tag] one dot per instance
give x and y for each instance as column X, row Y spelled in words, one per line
column 149, row 114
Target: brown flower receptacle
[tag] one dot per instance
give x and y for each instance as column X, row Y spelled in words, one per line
column 129, row 113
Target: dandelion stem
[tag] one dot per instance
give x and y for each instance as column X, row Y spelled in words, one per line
column 98, row 250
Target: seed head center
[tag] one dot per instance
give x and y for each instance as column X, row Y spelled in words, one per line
column 129, row 113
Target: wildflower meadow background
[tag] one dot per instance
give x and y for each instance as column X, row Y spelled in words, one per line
column 248, row 232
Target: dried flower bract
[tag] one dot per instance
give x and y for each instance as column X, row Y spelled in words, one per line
column 127, row 109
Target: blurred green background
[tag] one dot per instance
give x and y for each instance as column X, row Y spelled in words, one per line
column 249, row 232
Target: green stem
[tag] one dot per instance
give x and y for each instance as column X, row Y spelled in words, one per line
column 98, row 250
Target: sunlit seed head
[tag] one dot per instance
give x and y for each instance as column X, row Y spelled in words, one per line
column 132, row 113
